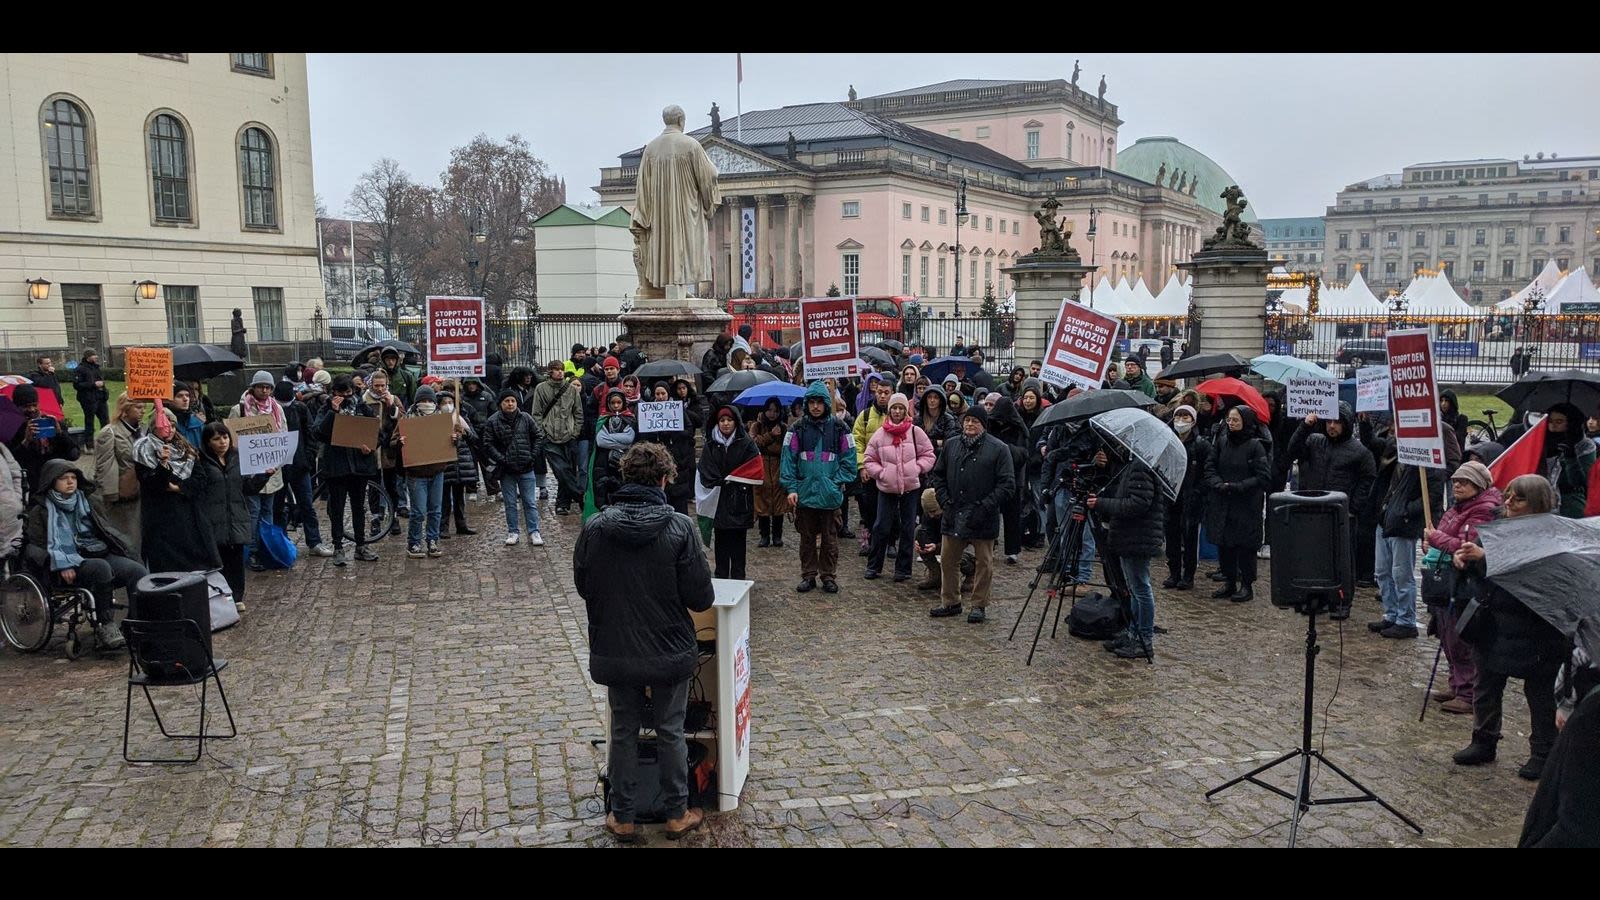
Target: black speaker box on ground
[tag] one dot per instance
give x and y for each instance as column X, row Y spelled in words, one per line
column 649, row 805
column 168, row 596
column 1311, row 552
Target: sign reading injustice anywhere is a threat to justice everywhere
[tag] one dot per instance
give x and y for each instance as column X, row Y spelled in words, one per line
column 1312, row 397
column 1080, row 347
column 828, row 337
column 455, row 337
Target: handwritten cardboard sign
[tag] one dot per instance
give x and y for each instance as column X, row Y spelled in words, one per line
column 1312, row 397
column 149, row 372
column 356, row 432
column 666, row 415
column 1372, row 389
column 242, row 425
column 261, row 451
column 427, row 440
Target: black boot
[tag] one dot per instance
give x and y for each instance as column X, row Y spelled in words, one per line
column 1480, row 751
column 1244, row 594
column 1228, row 589
column 765, row 524
column 1172, row 580
column 777, row 531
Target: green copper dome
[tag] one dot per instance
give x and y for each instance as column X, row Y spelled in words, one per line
column 1144, row 160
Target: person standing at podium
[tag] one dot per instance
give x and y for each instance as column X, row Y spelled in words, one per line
column 640, row 633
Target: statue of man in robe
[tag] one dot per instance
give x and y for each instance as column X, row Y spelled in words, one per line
column 676, row 196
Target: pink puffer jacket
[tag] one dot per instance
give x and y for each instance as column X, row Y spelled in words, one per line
column 899, row 470
column 1459, row 523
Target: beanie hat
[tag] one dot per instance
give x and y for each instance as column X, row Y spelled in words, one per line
column 323, row 377
column 727, row 411
column 508, row 392
column 425, row 394
column 283, row 392
column 916, row 359
column 578, row 348
column 976, row 411
column 262, row 377
column 1188, row 409
column 25, row 395
column 1474, row 473
column 901, row 399
column 611, row 363
column 991, row 397
column 930, row 502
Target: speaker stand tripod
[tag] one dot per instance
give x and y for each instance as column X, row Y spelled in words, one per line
column 1302, row 798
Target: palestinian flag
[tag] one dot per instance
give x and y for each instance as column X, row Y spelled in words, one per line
column 1525, row 456
column 747, row 470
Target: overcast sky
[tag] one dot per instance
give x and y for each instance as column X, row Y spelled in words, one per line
column 1291, row 128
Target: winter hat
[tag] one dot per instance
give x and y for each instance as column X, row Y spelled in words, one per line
column 323, row 377
column 425, row 394
column 901, row 399
column 916, row 359
column 611, row 363
column 508, row 392
column 951, row 379
column 991, row 396
column 1167, row 383
column 431, row 379
column 25, row 395
column 1474, row 473
column 930, row 502
column 578, row 348
column 283, row 392
column 1188, row 409
column 976, row 411
column 727, row 411
column 262, row 377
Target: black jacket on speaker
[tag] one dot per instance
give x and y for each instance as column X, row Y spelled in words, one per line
column 1233, row 516
column 1134, row 512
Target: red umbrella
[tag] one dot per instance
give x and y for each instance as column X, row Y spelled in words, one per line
column 1233, row 387
column 47, row 397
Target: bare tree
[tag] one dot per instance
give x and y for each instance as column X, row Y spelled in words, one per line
column 384, row 201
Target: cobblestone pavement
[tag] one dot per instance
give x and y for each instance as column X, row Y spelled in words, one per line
column 446, row 701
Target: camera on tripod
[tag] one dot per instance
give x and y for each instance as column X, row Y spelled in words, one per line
column 1312, row 568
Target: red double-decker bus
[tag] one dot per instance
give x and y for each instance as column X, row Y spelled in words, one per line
column 774, row 319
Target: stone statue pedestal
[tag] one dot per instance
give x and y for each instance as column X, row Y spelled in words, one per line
column 676, row 328
column 1042, row 282
column 1230, row 293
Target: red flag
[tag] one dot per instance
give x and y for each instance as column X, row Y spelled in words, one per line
column 753, row 472
column 739, row 61
column 1523, row 457
column 1592, row 507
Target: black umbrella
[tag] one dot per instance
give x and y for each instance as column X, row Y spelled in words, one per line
column 877, row 357
column 376, row 350
column 891, row 345
column 1550, row 564
column 794, row 351
column 1206, row 364
column 667, row 368
column 980, row 377
column 1091, row 403
column 1539, row 391
column 198, row 362
column 734, row 382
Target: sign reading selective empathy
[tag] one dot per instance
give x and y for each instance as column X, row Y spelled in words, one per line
column 828, row 337
column 1312, row 397
column 1372, row 389
column 666, row 415
column 1415, row 398
column 270, row 450
column 1079, row 348
column 455, row 337
column 149, row 372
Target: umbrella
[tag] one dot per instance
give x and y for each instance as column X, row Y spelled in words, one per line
column 399, row 346
column 198, row 362
column 937, row 369
column 1542, row 390
column 1092, row 403
column 1233, row 387
column 1148, row 440
column 734, row 382
column 891, row 345
column 1551, row 564
column 761, row 393
column 48, row 404
column 1282, row 368
column 11, row 420
column 667, row 368
column 1206, row 364
column 877, row 357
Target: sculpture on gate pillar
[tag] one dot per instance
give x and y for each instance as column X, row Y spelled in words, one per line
column 1234, row 232
column 1053, row 233
column 677, row 194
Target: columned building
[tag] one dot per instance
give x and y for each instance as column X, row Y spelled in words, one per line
column 155, row 193
column 862, row 194
column 1489, row 224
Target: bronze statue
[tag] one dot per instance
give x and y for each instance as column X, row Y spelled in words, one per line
column 1102, row 93
column 1193, row 186
column 1053, row 233
column 1183, row 182
column 716, row 119
column 790, row 148
column 1161, row 176
column 1234, row 232
column 1075, row 70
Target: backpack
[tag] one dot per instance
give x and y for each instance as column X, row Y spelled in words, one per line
column 1097, row 618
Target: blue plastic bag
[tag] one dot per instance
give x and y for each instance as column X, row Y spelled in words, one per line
column 274, row 549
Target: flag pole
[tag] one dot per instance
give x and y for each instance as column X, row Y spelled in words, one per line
column 738, row 97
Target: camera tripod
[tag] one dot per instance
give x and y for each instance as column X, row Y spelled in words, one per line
column 1066, row 549
column 1303, row 801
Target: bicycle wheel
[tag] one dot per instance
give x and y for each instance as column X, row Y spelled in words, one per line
column 25, row 614
column 379, row 511
column 1478, row 432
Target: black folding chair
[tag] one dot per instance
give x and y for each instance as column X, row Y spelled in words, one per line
column 171, row 653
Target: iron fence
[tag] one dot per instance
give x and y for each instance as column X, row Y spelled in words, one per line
column 1487, row 348
column 995, row 335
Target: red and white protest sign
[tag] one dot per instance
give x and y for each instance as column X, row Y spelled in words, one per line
column 828, row 337
column 1079, row 348
column 455, row 337
column 1415, row 397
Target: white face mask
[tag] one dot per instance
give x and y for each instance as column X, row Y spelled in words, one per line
column 1182, row 427
column 447, row 407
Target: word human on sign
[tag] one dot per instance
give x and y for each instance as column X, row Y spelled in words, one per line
column 1415, row 398
column 1080, row 347
column 828, row 337
column 149, row 372
column 1312, row 397
column 270, row 450
column 665, row 415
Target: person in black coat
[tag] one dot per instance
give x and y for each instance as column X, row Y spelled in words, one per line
column 297, row 475
column 974, row 478
column 639, row 568
column 461, row 477
column 728, row 448
column 45, row 379
column 1236, row 478
column 1005, row 423
column 1184, row 514
column 220, row 492
column 1450, row 412
column 477, row 405
column 172, row 516
column 1565, row 811
column 1400, row 521
column 346, row 471
column 32, row 451
column 680, row 493
column 1133, row 509
column 492, row 378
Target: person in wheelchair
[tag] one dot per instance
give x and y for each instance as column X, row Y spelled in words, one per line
column 69, row 541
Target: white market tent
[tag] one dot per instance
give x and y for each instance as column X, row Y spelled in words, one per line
column 1546, row 281
column 1433, row 295
column 1354, row 299
column 1574, row 289
column 1102, row 297
column 1173, row 300
column 1141, row 302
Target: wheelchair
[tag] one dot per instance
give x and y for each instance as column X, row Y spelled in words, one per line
column 33, row 601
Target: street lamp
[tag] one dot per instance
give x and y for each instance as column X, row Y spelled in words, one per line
column 38, row 289
column 1094, row 215
column 144, row 290
column 475, row 236
column 961, row 218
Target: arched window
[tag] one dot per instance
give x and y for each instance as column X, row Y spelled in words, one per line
column 67, row 154
column 169, row 168
column 258, row 178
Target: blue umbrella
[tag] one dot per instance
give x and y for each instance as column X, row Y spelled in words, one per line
column 1282, row 368
column 782, row 391
column 939, row 368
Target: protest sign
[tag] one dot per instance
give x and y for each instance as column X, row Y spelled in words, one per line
column 427, row 440
column 1415, row 398
column 1079, row 348
column 242, row 425
column 355, row 432
column 261, row 451
column 455, row 336
column 1372, row 389
column 666, row 415
column 149, row 372
column 828, row 337
column 1312, row 397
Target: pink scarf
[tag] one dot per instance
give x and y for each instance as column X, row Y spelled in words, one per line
column 268, row 407
column 897, row 433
